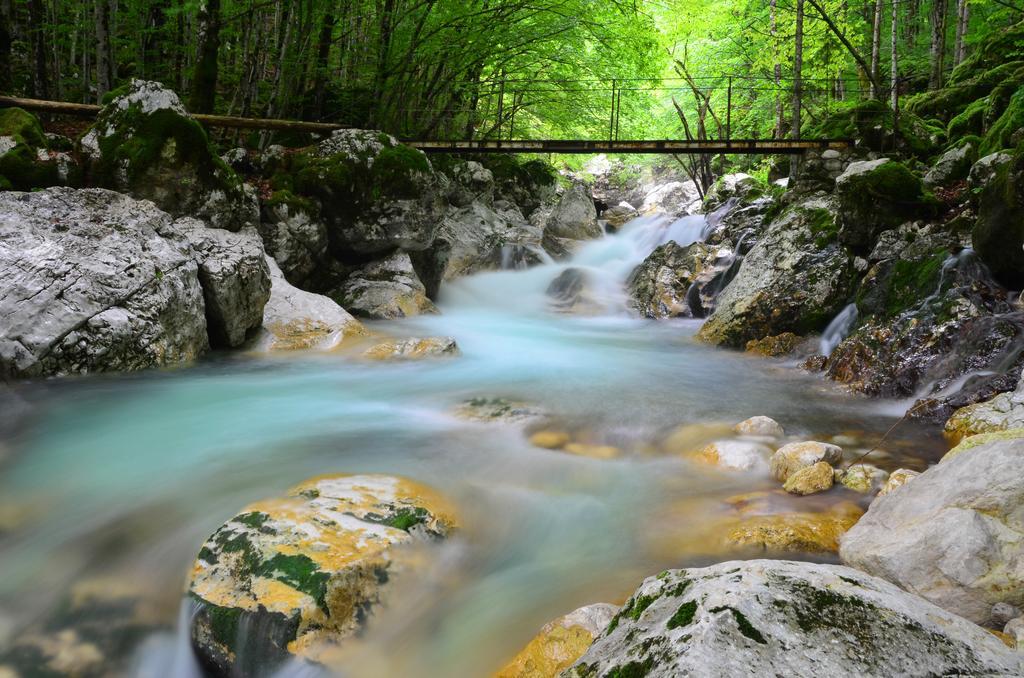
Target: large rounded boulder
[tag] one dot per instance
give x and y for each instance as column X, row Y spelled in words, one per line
column 375, row 194
column 782, row 618
column 145, row 144
column 92, row 280
column 998, row 234
column 286, row 575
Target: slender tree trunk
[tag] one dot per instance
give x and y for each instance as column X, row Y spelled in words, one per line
column 963, row 18
column 179, row 48
column 323, row 56
column 894, row 65
column 40, row 73
column 777, row 74
column 104, row 51
column 6, row 37
column 154, row 41
column 938, row 44
column 798, row 85
column 876, row 49
column 204, row 76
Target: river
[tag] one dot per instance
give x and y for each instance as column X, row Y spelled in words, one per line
column 121, row 478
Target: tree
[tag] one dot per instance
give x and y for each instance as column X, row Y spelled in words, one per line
column 938, row 42
column 204, row 75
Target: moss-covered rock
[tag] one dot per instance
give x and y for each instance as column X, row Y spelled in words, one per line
column 375, row 193
column 998, row 234
column 144, row 143
column 795, row 279
column 1011, row 120
column 874, row 126
column 783, row 618
column 875, row 196
column 307, row 568
column 26, row 159
column 969, row 121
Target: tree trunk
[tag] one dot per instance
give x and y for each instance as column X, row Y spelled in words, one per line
column 938, row 45
column 154, row 41
column 6, row 36
column 963, row 18
column 798, row 67
column 40, row 74
column 104, row 51
column 204, row 76
column 323, row 57
column 876, row 49
column 777, row 74
column 894, row 67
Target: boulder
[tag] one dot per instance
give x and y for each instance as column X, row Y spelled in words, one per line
column 953, row 165
column 953, row 535
column 492, row 410
column 414, row 348
column 478, row 238
column 795, row 279
column 235, row 277
column 741, row 187
column 760, row 426
column 1003, row 412
column 375, row 194
column 810, row 479
column 294, row 319
column 470, row 182
column 971, row 442
column 783, row 618
column 790, row 458
column 665, row 284
column 92, row 280
column 287, row 573
column 28, row 159
column 774, row 347
column 574, row 217
column 295, row 236
column 145, row 144
column 671, row 197
column 550, row 440
column 384, row 289
column 736, row 455
column 592, row 451
column 998, row 235
column 570, row 292
column 793, row 531
column 619, row 215
column 876, row 195
column 560, row 643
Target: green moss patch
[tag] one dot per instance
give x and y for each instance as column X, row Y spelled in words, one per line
column 999, row 135
column 746, row 628
column 683, row 616
column 23, row 126
column 299, row 572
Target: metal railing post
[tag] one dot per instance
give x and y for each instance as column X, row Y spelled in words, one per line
column 501, row 105
column 611, row 118
column 728, row 113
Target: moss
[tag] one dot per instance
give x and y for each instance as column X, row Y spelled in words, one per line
column 746, row 628
column 999, row 48
column 253, row 519
column 823, row 226
column 23, row 126
column 971, row 442
column 405, row 518
column 223, row 622
column 873, row 123
column 207, row 555
column 970, row 121
column 633, row 609
column 635, row 669
column 299, row 572
column 1012, row 119
column 294, row 203
column 683, row 616
column 22, row 170
column 912, row 281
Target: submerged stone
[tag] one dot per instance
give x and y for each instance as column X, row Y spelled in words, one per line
column 898, row 479
column 803, row 532
column 560, row 643
column 810, row 479
column 414, row 348
column 790, row 458
column 785, row 618
column 311, row 566
column 760, row 426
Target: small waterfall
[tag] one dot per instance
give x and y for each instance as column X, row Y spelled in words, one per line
column 170, row 655
column 838, row 329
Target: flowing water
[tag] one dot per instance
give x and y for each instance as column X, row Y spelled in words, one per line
column 119, row 479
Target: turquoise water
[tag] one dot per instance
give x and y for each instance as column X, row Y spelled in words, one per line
column 124, row 477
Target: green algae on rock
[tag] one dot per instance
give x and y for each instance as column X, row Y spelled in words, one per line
column 306, row 568
column 786, row 618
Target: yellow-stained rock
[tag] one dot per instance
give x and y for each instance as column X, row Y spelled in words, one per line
column 736, row 455
column 690, row 438
column 560, row 643
column 863, row 478
column 760, row 426
column 413, row 349
column 898, row 479
column 317, row 559
column 773, row 347
column 550, row 440
column 797, row 532
column 973, row 441
column 790, row 458
column 810, row 479
column 1008, row 640
column 592, row 451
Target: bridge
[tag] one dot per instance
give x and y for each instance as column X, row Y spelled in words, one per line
column 491, row 127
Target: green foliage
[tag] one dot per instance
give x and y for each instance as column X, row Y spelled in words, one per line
column 22, row 126
column 1000, row 135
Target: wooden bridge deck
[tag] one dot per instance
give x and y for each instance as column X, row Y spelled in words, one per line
column 669, row 146
column 730, row 146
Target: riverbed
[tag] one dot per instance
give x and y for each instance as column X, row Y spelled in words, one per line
column 119, row 479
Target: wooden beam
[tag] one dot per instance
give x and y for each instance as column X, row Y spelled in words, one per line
column 90, row 111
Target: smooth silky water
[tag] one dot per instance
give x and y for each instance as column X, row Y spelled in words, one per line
column 120, row 479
